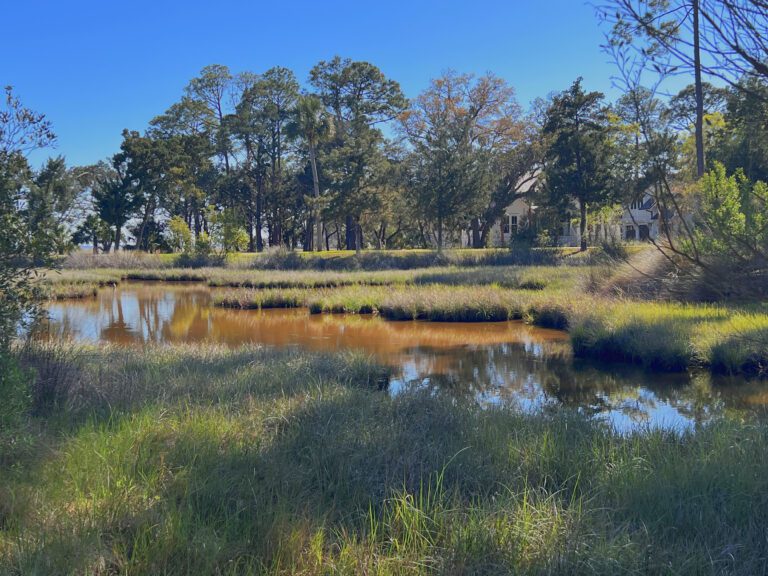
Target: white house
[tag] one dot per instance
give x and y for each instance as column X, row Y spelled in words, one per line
column 639, row 221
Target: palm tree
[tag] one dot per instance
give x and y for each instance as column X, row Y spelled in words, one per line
column 313, row 125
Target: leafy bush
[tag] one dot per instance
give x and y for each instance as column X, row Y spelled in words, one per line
column 726, row 255
column 179, row 235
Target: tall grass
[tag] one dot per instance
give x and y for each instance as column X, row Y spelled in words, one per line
column 341, row 260
column 260, row 299
column 69, row 284
column 536, row 277
column 673, row 336
column 212, row 461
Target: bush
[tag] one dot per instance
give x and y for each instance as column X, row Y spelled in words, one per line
column 179, row 235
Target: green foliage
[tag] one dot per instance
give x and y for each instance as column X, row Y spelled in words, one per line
column 21, row 242
column 578, row 157
column 742, row 141
column 179, row 235
column 227, row 232
column 731, row 238
column 203, row 244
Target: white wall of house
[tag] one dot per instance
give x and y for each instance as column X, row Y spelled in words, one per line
column 516, row 216
column 640, row 220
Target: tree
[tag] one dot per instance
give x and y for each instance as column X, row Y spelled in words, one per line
column 115, row 198
column 665, row 35
column 360, row 98
column 50, row 206
column 21, row 131
column 178, row 234
column 148, row 166
column 731, row 236
column 211, row 90
column 455, row 127
column 260, row 124
column 312, row 126
column 94, row 231
column 682, row 106
column 577, row 159
column 743, row 143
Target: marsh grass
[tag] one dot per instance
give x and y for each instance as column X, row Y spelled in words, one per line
column 341, row 260
column 659, row 335
column 671, row 336
column 539, row 277
column 255, row 461
column 69, row 284
column 261, row 299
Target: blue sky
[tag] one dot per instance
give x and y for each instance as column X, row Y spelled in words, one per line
column 95, row 68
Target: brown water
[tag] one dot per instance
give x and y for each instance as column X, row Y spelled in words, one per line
column 492, row 362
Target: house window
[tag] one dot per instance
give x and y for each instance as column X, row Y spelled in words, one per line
column 629, row 233
column 509, row 225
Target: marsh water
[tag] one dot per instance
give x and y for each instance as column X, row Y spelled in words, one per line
column 492, row 362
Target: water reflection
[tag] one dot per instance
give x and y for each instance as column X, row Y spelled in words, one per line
column 493, row 362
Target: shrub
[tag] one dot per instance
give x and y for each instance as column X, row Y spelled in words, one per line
column 179, row 235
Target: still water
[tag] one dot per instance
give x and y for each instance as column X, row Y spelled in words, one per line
column 492, row 362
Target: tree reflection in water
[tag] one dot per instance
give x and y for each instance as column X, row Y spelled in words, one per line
column 492, row 362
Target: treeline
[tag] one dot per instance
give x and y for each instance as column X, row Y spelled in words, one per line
column 249, row 161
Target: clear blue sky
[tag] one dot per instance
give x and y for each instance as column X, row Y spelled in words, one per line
column 97, row 67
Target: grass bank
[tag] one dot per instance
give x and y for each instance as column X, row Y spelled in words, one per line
column 658, row 335
column 80, row 283
column 343, row 260
column 280, row 462
column 76, row 284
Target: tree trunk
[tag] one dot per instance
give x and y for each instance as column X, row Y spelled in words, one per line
column 316, row 191
column 118, row 231
column 309, row 235
column 699, row 92
column 476, row 236
column 358, row 236
column 380, row 235
column 251, row 245
column 259, row 239
column 350, row 232
column 583, row 225
column 143, row 227
column 439, row 233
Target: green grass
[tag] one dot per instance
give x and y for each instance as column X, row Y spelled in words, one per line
column 672, row 336
column 257, row 461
